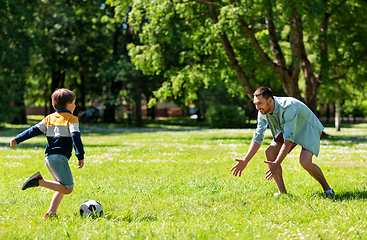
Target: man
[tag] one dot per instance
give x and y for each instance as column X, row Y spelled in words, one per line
column 291, row 122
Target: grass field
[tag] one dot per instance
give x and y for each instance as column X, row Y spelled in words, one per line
column 175, row 183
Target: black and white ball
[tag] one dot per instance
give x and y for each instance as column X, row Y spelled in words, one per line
column 91, row 208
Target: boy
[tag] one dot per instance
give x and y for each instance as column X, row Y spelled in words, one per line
column 62, row 131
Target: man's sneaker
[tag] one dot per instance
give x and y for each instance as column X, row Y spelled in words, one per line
column 32, row 181
column 329, row 193
column 278, row 194
column 50, row 215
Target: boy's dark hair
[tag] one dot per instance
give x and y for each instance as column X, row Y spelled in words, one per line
column 264, row 91
column 61, row 97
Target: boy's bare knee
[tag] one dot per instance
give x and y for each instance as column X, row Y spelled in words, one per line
column 68, row 191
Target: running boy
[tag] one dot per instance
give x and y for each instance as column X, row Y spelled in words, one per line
column 62, row 131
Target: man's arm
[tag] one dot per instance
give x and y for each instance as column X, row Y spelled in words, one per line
column 242, row 163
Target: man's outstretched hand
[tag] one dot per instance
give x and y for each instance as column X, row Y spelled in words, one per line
column 238, row 168
column 273, row 168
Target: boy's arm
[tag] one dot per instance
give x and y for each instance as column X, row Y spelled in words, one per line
column 78, row 145
column 81, row 163
column 75, row 136
column 13, row 143
column 27, row 134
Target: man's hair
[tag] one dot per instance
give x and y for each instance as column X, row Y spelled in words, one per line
column 264, row 91
column 61, row 97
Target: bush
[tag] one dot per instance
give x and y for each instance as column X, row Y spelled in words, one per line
column 221, row 116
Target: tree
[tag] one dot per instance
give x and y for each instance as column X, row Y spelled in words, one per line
column 240, row 42
column 16, row 43
column 122, row 76
column 70, row 47
column 345, row 58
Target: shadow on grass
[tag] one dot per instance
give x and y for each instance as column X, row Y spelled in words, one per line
column 344, row 140
column 26, row 145
column 120, row 130
column 11, row 131
column 130, row 218
column 345, row 124
column 351, row 195
column 267, row 139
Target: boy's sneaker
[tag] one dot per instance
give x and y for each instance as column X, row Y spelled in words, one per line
column 32, row 181
column 49, row 216
column 329, row 193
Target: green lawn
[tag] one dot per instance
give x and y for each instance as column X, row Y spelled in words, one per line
column 175, row 183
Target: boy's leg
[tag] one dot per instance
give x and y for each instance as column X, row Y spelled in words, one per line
column 271, row 154
column 306, row 162
column 59, row 168
column 56, row 200
column 56, row 186
column 32, row 181
column 58, row 165
column 37, row 180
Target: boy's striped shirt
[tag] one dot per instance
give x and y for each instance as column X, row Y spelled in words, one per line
column 62, row 131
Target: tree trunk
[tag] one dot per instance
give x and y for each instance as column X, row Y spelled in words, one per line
column 152, row 112
column 55, row 83
column 337, row 108
column 288, row 75
column 232, row 57
column 21, row 116
column 328, row 113
column 47, row 99
column 138, row 113
column 337, row 115
column 115, row 87
column 109, row 113
column 311, row 82
column 82, row 92
column 110, row 107
column 129, row 120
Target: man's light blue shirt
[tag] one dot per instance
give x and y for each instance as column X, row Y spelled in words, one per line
column 295, row 120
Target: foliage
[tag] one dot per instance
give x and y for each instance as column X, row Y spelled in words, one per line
column 16, row 43
column 347, row 58
column 115, row 50
column 181, row 187
column 245, row 44
column 356, row 104
column 70, row 46
column 182, row 42
column 217, row 100
column 220, row 116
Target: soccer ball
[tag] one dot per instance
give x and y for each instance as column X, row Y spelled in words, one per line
column 91, row 208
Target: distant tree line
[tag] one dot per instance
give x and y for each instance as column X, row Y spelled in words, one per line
column 211, row 53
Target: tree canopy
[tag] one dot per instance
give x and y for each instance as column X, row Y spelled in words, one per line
column 248, row 44
column 118, row 51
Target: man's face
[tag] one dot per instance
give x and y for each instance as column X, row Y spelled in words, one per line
column 262, row 104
